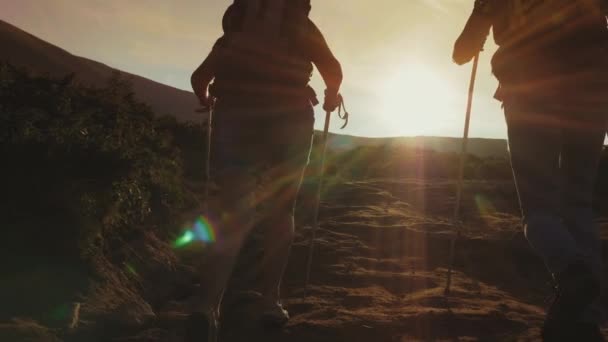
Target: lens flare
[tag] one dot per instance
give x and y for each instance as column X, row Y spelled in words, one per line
column 201, row 231
column 131, row 270
column 484, row 205
column 184, row 240
column 61, row 312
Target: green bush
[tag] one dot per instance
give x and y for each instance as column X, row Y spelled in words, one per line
column 84, row 171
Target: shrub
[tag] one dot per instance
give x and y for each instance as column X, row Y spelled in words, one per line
column 84, row 171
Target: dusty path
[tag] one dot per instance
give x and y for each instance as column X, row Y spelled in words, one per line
column 379, row 272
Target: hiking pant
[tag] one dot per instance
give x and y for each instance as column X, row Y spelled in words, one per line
column 555, row 150
column 259, row 154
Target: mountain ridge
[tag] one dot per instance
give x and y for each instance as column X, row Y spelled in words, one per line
column 25, row 50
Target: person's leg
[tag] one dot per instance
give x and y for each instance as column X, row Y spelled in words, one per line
column 232, row 212
column 535, row 146
column 583, row 143
column 282, row 185
column 287, row 156
column 232, row 217
column 536, row 136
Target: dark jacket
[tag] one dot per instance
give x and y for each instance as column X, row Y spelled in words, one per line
column 541, row 53
column 249, row 71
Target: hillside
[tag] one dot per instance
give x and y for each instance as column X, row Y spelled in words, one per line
column 22, row 49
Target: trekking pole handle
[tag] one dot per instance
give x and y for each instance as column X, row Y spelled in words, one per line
column 207, row 108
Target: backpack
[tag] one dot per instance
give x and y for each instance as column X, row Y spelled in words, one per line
column 544, row 43
column 264, row 48
column 269, row 18
column 547, row 20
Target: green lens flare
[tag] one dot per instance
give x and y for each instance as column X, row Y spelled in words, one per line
column 131, row 270
column 200, row 230
column 484, row 205
column 185, row 239
column 61, row 312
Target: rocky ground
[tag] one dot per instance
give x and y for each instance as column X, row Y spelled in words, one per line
column 380, row 269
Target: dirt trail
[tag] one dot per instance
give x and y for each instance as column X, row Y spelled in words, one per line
column 380, row 268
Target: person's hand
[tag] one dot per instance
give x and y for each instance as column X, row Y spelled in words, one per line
column 204, row 99
column 332, row 100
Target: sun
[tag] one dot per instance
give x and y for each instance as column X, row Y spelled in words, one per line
column 417, row 97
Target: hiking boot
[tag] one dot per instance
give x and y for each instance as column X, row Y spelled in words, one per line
column 588, row 332
column 197, row 328
column 576, row 289
column 254, row 305
column 201, row 328
column 274, row 315
column 577, row 331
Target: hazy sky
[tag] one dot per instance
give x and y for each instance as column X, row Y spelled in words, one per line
column 396, row 54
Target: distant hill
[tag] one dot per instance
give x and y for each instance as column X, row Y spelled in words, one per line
column 25, row 50
column 477, row 146
column 22, row 49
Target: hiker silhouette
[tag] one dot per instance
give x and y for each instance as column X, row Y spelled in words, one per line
column 262, row 131
column 552, row 67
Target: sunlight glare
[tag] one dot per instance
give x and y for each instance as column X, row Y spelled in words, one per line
column 417, row 97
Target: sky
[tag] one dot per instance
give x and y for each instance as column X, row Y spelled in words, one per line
column 396, row 54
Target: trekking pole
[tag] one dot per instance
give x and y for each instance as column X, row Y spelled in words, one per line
column 315, row 223
column 463, row 161
column 207, row 175
column 208, row 159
